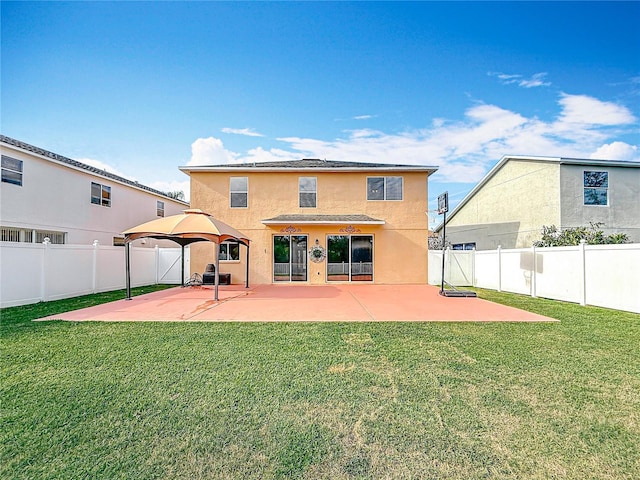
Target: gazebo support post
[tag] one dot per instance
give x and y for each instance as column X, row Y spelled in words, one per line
column 182, row 270
column 247, row 275
column 217, row 273
column 128, row 269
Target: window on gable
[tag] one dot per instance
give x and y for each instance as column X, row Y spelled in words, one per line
column 229, row 251
column 100, row 194
column 159, row 208
column 596, row 186
column 11, row 170
column 307, row 192
column 384, row 188
column 239, row 192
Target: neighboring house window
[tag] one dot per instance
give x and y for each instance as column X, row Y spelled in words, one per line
column 9, row 234
column 56, row 238
column 159, row 208
column 596, row 185
column 307, row 192
column 25, row 235
column 11, row 170
column 100, row 194
column 239, row 188
column 118, row 241
column 229, row 251
column 384, row 188
column 463, row 246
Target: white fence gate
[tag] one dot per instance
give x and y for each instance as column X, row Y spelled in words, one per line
column 601, row 275
column 34, row 272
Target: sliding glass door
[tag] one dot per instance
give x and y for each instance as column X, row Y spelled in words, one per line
column 290, row 258
column 350, row 258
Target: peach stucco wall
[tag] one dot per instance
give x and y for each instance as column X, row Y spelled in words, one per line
column 400, row 245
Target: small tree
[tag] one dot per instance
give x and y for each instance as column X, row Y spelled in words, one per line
column 435, row 243
column 177, row 195
column 593, row 235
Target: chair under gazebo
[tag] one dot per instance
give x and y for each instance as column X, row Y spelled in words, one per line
column 191, row 226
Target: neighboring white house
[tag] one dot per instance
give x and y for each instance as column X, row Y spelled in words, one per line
column 43, row 194
column 510, row 205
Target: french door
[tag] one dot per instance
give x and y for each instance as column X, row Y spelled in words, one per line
column 290, row 258
column 350, row 258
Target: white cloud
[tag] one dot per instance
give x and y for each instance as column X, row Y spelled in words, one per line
column 272, row 155
column 465, row 150
column 536, row 80
column 249, row 132
column 582, row 109
column 363, row 117
column 617, row 151
column 210, row 151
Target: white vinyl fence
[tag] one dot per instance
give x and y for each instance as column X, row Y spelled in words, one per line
column 35, row 272
column 601, row 275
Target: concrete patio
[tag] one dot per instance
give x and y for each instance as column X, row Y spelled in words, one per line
column 302, row 303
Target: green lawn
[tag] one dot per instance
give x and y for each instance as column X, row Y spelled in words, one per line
column 322, row 400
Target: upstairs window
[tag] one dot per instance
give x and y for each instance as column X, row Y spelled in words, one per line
column 384, row 188
column 229, row 251
column 307, row 192
column 100, row 194
column 596, row 186
column 239, row 192
column 159, row 208
column 11, row 170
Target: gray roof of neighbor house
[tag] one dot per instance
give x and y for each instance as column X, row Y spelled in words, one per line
column 558, row 160
column 307, row 164
column 82, row 166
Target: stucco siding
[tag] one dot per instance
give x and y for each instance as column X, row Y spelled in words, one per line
column 622, row 212
column 400, row 245
column 511, row 208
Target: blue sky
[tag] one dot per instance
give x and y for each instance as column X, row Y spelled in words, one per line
column 144, row 87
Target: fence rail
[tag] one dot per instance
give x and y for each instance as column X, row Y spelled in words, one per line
column 357, row 268
column 35, row 272
column 602, row 275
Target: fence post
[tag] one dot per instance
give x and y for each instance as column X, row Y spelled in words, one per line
column 499, row 250
column 534, row 268
column 157, row 249
column 583, row 276
column 94, row 282
column 45, row 266
column 473, row 267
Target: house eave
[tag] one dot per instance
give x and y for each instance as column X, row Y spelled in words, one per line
column 322, row 220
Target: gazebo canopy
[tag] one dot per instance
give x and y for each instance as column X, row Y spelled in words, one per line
column 191, row 226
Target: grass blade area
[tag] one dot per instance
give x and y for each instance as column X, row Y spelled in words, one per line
column 322, row 400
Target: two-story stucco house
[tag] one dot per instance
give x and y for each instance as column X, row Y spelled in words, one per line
column 46, row 195
column 317, row 221
column 510, row 205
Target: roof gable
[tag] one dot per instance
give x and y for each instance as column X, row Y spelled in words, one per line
column 557, row 160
